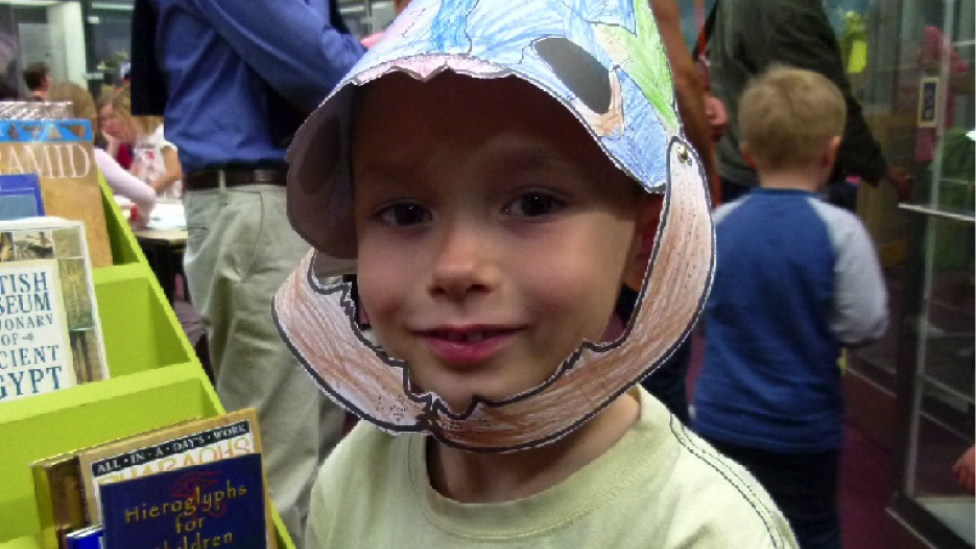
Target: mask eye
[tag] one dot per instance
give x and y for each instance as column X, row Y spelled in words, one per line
column 683, row 155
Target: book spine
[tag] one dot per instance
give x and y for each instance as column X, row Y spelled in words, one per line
column 58, row 489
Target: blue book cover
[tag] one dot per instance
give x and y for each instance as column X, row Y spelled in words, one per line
column 216, row 504
column 89, row 538
column 20, row 197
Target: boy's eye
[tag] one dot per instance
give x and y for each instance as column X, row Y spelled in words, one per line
column 534, row 204
column 404, row 215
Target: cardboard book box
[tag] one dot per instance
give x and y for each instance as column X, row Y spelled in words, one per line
column 60, row 153
column 155, row 381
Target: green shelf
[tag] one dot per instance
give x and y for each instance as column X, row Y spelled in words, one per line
column 156, row 380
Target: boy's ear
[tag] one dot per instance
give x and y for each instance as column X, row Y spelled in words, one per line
column 829, row 155
column 746, row 157
column 645, row 229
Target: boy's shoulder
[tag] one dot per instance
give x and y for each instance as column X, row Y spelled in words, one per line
column 359, row 483
column 360, row 452
column 709, row 498
column 829, row 214
column 720, row 213
column 844, row 227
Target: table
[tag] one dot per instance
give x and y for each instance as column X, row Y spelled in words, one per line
column 164, row 252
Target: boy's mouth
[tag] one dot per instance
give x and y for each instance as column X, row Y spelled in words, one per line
column 467, row 336
column 467, row 345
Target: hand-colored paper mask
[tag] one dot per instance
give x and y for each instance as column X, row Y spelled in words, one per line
column 603, row 62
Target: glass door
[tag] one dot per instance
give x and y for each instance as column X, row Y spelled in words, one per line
column 936, row 351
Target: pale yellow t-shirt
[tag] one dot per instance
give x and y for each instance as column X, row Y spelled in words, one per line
column 660, row 486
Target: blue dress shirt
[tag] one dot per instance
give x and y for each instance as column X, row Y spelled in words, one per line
column 241, row 75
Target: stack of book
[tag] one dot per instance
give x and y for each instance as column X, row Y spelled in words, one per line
column 191, row 485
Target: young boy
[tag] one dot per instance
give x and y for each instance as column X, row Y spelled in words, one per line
column 497, row 174
column 795, row 280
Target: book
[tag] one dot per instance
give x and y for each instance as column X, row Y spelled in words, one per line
column 58, row 490
column 170, row 448
column 86, row 538
column 60, row 493
column 20, row 197
column 59, row 152
column 215, row 504
column 35, row 110
column 50, row 337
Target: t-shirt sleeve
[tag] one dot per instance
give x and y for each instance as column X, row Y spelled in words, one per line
column 860, row 296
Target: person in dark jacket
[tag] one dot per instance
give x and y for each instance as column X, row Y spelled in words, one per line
column 752, row 35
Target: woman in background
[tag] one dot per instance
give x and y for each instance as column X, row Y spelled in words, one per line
column 119, row 180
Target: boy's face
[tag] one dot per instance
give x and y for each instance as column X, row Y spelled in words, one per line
column 493, row 234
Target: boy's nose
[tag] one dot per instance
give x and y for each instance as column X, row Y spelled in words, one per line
column 461, row 265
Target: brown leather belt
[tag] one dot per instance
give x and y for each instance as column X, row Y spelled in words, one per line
column 208, row 178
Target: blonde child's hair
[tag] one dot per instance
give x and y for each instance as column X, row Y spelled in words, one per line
column 787, row 115
column 122, row 106
column 82, row 104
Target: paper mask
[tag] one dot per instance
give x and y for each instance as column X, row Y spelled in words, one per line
column 604, row 62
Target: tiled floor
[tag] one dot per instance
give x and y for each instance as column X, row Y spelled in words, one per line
column 866, row 483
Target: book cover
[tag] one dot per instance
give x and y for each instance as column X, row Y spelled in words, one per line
column 60, row 153
column 20, row 196
column 60, row 504
column 216, row 504
column 86, row 538
column 170, row 448
column 50, row 337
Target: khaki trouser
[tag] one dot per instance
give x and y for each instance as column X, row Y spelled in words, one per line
column 239, row 250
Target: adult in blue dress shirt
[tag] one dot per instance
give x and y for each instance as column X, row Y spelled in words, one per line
column 234, row 79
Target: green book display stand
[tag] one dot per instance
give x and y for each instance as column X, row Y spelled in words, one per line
column 156, row 380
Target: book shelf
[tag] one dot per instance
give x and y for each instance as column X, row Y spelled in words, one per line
column 156, row 380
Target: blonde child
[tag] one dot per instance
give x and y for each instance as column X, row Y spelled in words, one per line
column 154, row 159
column 795, row 279
column 496, row 177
